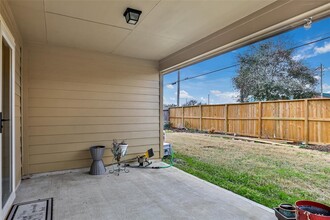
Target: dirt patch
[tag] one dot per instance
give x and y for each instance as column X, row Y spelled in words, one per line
column 209, row 147
column 324, row 148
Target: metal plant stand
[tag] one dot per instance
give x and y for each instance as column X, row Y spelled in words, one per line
column 117, row 168
column 119, row 151
column 97, row 167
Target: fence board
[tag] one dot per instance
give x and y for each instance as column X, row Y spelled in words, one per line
column 304, row 120
column 319, row 123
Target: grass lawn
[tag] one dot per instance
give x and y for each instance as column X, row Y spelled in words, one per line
column 266, row 174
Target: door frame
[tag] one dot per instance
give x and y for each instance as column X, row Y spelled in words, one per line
column 6, row 34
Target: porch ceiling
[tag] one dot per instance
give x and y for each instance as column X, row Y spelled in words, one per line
column 165, row 26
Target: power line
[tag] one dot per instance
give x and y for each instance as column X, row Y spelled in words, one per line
column 203, row 74
column 316, row 36
column 311, row 42
column 237, row 64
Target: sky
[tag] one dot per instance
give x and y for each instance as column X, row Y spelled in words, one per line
column 219, row 87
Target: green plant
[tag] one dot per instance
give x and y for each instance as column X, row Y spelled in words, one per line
column 303, row 146
column 168, row 125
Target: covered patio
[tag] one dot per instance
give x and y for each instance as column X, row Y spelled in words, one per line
column 75, row 74
column 140, row 194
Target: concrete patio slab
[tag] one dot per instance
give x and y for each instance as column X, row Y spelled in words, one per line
column 140, row 194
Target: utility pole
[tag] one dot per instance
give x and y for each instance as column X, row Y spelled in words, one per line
column 208, row 99
column 178, row 91
column 321, row 79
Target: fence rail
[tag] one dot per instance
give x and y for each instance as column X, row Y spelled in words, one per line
column 303, row 120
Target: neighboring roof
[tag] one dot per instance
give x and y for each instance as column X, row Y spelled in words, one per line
column 326, row 95
column 165, row 26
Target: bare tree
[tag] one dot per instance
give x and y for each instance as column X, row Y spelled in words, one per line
column 192, row 102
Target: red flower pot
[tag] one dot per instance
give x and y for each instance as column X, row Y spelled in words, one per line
column 308, row 210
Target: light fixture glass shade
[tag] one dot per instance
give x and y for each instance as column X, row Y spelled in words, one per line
column 132, row 15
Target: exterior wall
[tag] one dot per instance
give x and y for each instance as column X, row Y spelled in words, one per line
column 7, row 17
column 76, row 99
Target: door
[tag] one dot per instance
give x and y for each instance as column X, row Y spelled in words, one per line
column 5, row 125
column 7, row 174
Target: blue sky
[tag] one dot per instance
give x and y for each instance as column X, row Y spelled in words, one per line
column 219, row 84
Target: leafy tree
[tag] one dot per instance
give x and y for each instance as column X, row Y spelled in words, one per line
column 268, row 71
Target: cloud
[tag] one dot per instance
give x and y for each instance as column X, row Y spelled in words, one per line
column 203, row 100
column 169, row 100
column 324, row 49
column 311, row 51
column 305, row 52
column 326, row 88
column 185, row 95
column 169, row 86
column 219, row 93
column 303, row 56
column 215, row 92
column 224, row 97
column 201, row 77
column 165, row 100
column 326, row 69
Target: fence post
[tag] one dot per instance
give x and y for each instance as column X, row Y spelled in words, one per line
column 226, row 118
column 306, row 122
column 260, row 120
column 183, row 117
column 200, row 117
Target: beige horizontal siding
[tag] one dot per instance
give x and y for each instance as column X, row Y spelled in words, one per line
column 17, row 100
column 9, row 20
column 91, row 112
column 18, row 77
column 71, row 164
column 79, row 155
column 17, row 112
column 79, row 99
column 100, row 80
column 79, row 146
column 63, row 94
column 90, row 129
column 81, row 103
column 74, row 138
column 90, row 87
column 44, row 121
column 123, row 71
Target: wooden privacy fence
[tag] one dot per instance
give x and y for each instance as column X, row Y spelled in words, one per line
column 304, row 120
